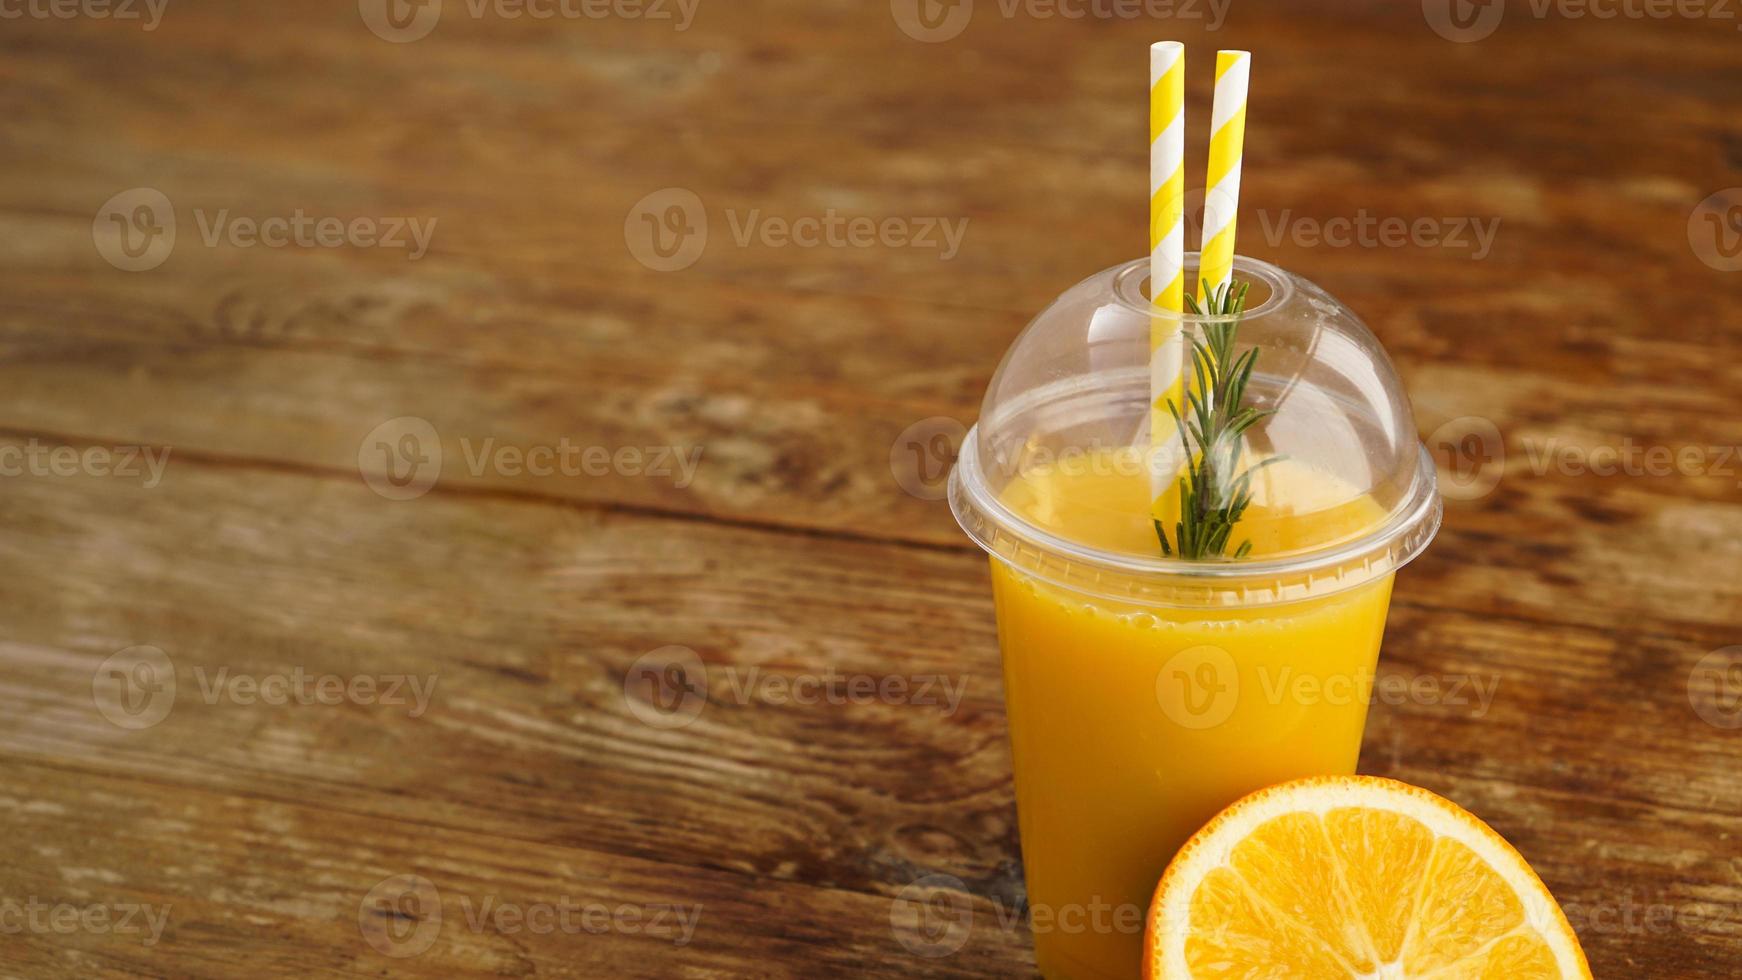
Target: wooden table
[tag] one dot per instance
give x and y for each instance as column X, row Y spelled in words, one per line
column 294, row 806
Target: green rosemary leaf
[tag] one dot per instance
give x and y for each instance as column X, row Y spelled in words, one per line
column 1212, row 422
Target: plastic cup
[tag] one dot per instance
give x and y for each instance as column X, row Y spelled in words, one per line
column 1145, row 693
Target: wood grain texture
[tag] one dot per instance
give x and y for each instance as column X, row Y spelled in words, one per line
column 1558, row 617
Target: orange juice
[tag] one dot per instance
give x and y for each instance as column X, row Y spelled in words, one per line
column 1133, row 724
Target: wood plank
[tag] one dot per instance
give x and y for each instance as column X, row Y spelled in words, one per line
column 817, row 457
column 220, row 885
column 532, row 615
column 1615, row 204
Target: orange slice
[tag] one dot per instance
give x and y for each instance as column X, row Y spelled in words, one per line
column 1343, row 877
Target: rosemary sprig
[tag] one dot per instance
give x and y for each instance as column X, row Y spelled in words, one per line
column 1212, row 496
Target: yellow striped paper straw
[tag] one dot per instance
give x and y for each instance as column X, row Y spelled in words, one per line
column 1222, row 185
column 1167, row 184
column 1167, row 173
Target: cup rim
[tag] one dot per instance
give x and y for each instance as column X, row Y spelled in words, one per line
column 1130, row 277
column 1173, row 581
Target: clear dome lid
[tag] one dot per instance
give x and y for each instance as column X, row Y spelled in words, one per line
column 1069, row 475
